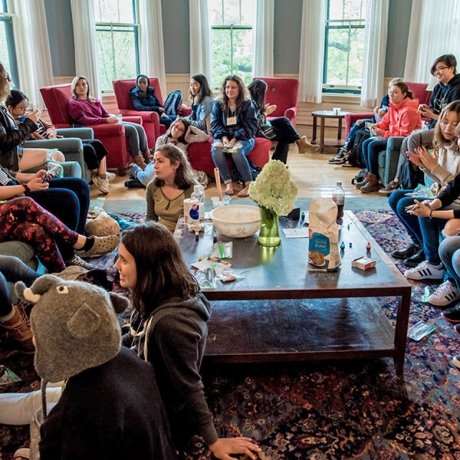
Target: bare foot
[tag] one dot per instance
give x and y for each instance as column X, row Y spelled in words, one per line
column 244, row 192
column 229, row 190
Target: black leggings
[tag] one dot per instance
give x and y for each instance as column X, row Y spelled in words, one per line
column 93, row 151
column 285, row 134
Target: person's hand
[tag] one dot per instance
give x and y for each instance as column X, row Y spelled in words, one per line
column 425, row 111
column 414, row 159
column 421, row 209
column 161, row 109
column 37, row 183
column 377, row 131
column 34, row 115
column 381, row 112
column 112, row 119
column 426, row 159
column 224, row 447
column 36, row 135
column 269, row 109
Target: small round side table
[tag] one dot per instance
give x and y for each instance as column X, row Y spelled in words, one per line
column 323, row 115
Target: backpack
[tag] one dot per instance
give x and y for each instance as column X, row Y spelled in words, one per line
column 410, row 175
column 355, row 157
column 173, row 102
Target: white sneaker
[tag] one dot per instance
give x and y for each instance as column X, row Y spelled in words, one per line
column 444, row 295
column 101, row 184
column 456, row 361
column 425, row 271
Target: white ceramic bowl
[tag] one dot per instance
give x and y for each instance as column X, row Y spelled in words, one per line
column 236, row 220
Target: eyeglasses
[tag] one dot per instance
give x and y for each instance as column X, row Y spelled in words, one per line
column 438, row 69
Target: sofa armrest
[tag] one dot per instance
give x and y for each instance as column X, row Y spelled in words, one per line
column 352, row 118
column 392, row 153
column 81, row 133
column 72, row 169
column 133, row 119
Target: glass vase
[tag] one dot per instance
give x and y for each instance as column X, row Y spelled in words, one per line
column 269, row 232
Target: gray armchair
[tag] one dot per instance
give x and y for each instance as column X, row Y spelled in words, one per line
column 70, row 145
column 388, row 159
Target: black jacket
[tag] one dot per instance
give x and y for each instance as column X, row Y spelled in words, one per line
column 443, row 95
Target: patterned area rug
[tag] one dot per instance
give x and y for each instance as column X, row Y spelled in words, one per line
column 329, row 410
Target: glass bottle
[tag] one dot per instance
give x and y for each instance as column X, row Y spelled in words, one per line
column 198, row 194
column 339, row 197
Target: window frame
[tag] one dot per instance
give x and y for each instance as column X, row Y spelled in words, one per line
column 230, row 27
column 346, row 24
column 8, row 19
column 134, row 29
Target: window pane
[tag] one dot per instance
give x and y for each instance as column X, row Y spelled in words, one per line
column 4, row 46
column 346, row 9
column 224, row 62
column 345, row 57
column 114, row 11
column 117, row 55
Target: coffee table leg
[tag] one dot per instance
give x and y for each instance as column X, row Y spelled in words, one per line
column 315, row 125
column 339, row 134
column 321, row 135
column 402, row 321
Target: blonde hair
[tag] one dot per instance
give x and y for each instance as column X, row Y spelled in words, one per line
column 74, row 84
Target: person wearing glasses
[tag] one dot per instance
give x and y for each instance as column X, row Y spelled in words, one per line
column 181, row 133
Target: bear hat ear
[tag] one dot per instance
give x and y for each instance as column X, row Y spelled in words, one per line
column 39, row 286
column 120, row 303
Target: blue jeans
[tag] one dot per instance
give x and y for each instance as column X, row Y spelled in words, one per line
column 371, row 148
column 350, row 140
column 431, row 231
column 12, row 269
column 449, row 252
column 238, row 157
column 398, row 202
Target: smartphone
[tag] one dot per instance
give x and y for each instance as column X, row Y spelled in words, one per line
column 47, row 177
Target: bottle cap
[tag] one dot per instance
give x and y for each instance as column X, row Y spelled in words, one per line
column 339, row 183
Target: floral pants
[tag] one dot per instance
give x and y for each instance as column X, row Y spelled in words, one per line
column 25, row 220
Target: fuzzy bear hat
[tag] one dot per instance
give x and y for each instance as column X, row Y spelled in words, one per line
column 74, row 324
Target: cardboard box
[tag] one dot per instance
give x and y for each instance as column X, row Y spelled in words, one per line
column 363, row 263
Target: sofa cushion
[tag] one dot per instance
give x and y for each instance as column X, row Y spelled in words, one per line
column 22, row 250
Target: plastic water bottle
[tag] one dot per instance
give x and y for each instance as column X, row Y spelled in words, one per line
column 339, row 197
column 198, row 194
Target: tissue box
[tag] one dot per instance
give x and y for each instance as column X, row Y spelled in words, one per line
column 363, row 263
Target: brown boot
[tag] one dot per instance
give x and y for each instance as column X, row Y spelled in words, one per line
column 361, row 184
column 305, row 146
column 18, row 329
column 139, row 160
column 372, row 184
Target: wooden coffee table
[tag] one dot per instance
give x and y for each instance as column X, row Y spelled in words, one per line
column 323, row 115
column 334, row 316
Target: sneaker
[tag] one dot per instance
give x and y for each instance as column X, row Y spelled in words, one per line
column 102, row 245
column 406, row 252
column 101, row 184
column 338, row 161
column 444, row 295
column 389, row 188
column 425, row 271
column 452, row 314
column 18, row 330
column 134, row 183
column 456, row 361
column 414, row 260
column 79, row 262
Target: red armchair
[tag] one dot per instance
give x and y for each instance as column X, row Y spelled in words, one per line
column 111, row 135
column 284, row 92
column 151, row 120
column 199, row 155
column 420, row 92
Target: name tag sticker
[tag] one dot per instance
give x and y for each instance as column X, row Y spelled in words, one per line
column 231, row 121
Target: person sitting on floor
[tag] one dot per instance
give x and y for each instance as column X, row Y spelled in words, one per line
column 172, row 314
column 172, row 184
column 181, row 133
column 101, row 413
column 279, row 129
column 441, row 168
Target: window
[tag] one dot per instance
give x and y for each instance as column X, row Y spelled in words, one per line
column 344, row 46
column 7, row 46
column 231, row 39
column 117, row 40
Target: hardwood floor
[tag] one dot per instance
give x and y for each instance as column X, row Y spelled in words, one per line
column 311, row 172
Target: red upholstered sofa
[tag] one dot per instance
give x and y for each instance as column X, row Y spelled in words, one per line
column 284, row 92
column 111, row 135
column 420, row 92
column 200, row 158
